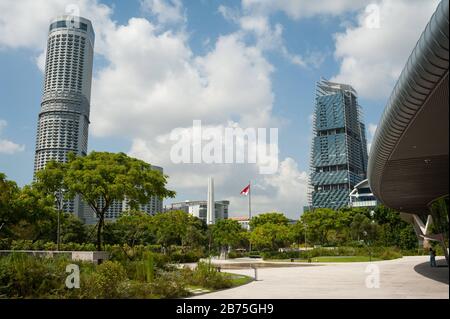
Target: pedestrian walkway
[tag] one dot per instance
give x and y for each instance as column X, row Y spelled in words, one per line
column 398, row 278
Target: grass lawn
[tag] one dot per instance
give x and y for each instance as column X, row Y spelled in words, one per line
column 343, row 259
column 238, row 280
column 330, row 259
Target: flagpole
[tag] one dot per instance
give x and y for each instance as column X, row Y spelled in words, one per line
column 249, row 201
column 249, row 209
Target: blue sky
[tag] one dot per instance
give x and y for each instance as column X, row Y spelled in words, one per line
column 287, row 45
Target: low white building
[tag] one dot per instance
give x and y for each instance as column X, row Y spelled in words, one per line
column 243, row 221
column 199, row 208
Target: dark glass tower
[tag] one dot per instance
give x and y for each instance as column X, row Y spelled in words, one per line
column 339, row 148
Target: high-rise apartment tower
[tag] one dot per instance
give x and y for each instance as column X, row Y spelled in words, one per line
column 64, row 117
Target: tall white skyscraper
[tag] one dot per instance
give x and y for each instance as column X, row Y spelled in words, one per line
column 210, row 205
column 64, row 117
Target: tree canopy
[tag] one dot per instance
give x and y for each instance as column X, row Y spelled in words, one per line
column 269, row 218
column 101, row 178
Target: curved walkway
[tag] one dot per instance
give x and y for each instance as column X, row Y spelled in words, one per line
column 397, row 279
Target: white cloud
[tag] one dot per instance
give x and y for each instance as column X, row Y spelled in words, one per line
column 285, row 191
column 152, row 82
column 168, row 87
column 267, row 37
column 372, row 129
column 165, row 11
column 24, row 24
column 372, row 58
column 7, row 146
column 164, row 80
column 297, row 9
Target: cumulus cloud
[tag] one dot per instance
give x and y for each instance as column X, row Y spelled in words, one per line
column 6, row 146
column 285, row 191
column 151, row 83
column 267, row 37
column 165, row 11
column 371, row 57
column 167, row 86
column 24, row 23
column 297, row 9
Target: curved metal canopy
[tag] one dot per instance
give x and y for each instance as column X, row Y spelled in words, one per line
column 408, row 161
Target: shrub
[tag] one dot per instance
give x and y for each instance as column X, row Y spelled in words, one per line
column 389, row 254
column 280, row 255
column 145, row 269
column 105, row 282
column 5, row 243
column 22, row 245
column 237, row 254
column 186, row 257
column 24, row 276
column 170, row 285
column 32, row 277
column 207, row 275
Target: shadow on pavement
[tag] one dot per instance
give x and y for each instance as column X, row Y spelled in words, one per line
column 439, row 273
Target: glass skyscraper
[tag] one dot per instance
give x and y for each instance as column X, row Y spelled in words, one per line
column 339, row 147
column 64, row 117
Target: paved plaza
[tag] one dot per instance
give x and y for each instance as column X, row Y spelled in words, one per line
column 408, row 277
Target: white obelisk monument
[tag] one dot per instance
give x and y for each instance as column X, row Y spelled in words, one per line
column 210, row 206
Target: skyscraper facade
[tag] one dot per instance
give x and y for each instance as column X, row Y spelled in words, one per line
column 339, row 147
column 64, row 116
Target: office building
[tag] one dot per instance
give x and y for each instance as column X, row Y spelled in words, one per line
column 339, row 147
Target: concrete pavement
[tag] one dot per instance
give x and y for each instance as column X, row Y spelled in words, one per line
column 408, row 277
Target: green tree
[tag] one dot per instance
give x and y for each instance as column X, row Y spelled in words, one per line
column 227, row 232
column 173, row 227
column 272, row 218
column 132, row 228
column 72, row 230
column 408, row 238
column 196, row 232
column 37, row 216
column 298, row 232
column 393, row 230
column 318, row 223
column 102, row 178
column 362, row 228
column 50, row 181
column 9, row 214
column 271, row 236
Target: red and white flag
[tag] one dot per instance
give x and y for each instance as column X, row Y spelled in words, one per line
column 246, row 190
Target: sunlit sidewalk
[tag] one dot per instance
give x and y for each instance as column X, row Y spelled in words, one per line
column 408, row 277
